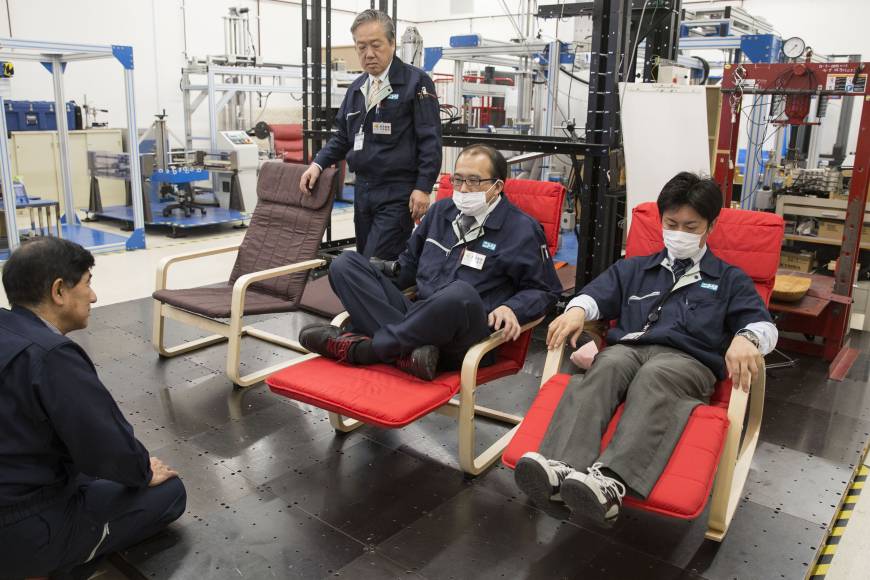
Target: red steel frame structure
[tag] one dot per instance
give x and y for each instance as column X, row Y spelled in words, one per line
column 798, row 82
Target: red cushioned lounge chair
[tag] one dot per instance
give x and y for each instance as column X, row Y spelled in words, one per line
column 269, row 276
column 715, row 450
column 384, row 396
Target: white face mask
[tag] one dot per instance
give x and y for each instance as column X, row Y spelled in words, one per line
column 681, row 245
column 471, row 203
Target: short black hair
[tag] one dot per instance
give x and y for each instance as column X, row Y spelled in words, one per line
column 33, row 268
column 702, row 194
column 497, row 162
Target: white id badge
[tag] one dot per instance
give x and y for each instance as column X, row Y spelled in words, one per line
column 632, row 336
column 382, row 128
column 473, row 260
column 358, row 141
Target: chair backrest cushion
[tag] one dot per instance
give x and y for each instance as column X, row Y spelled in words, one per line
column 541, row 200
column 288, row 142
column 287, row 226
column 749, row 240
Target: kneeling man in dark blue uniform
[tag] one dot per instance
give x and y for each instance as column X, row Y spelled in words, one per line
column 479, row 264
column 75, row 484
column 685, row 319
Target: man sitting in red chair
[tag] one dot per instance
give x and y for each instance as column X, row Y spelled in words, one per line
column 479, row 263
column 684, row 319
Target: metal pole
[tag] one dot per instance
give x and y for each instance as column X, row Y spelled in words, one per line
column 212, row 110
column 327, row 116
column 524, row 78
column 161, row 155
column 815, row 134
column 305, row 72
column 6, row 181
column 316, row 72
column 212, row 121
column 137, row 240
column 552, row 101
column 188, row 112
column 760, row 105
column 600, row 239
column 63, row 138
column 451, row 153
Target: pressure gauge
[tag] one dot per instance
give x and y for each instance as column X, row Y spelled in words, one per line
column 793, row 47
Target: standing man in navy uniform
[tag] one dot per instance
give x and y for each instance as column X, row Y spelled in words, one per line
column 479, row 263
column 389, row 130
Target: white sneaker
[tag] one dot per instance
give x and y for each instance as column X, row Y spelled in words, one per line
column 593, row 493
column 541, row 478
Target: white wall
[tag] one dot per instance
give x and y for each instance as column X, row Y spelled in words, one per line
column 155, row 29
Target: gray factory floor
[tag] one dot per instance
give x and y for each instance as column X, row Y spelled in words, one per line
column 274, row 492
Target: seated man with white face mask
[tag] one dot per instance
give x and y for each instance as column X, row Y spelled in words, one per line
column 684, row 319
column 479, row 263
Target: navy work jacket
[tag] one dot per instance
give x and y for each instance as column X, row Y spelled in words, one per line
column 407, row 147
column 57, row 420
column 517, row 270
column 700, row 317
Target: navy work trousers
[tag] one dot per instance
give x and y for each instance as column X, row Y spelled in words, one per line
column 660, row 387
column 453, row 319
column 381, row 218
column 68, row 539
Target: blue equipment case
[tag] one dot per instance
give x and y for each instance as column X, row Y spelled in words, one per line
column 36, row 116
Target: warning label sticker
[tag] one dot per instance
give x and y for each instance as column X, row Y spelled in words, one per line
column 847, row 83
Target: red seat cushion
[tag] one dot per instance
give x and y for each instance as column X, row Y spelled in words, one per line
column 378, row 394
column 683, row 488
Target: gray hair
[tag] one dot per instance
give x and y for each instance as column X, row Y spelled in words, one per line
column 376, row 16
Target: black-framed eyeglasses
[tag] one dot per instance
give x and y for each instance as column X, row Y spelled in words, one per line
column 472, row 181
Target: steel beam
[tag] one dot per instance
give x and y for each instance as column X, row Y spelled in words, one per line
column 63, row 140
column 6, row 182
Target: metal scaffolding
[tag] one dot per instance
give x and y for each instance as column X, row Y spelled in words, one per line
column 54, row 56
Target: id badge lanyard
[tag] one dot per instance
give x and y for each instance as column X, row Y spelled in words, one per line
column 656, row 312
column 382, row 93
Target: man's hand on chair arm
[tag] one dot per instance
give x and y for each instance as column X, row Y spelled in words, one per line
column 567, row 325
column 743, row 361
column 504, row 317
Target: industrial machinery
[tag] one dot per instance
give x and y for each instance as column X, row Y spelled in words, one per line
column 174, row 200
column 242, row 163
column 795, row 85
column 238, row 83
column 56, row 57
column 411, row 50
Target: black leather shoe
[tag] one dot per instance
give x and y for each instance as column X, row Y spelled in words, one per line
column 422, row 362
column 329, row 341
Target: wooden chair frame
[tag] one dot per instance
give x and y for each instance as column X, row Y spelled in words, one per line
column 232, row 331
column 736, row 457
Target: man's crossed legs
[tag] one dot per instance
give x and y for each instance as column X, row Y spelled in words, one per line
column 419, row 337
